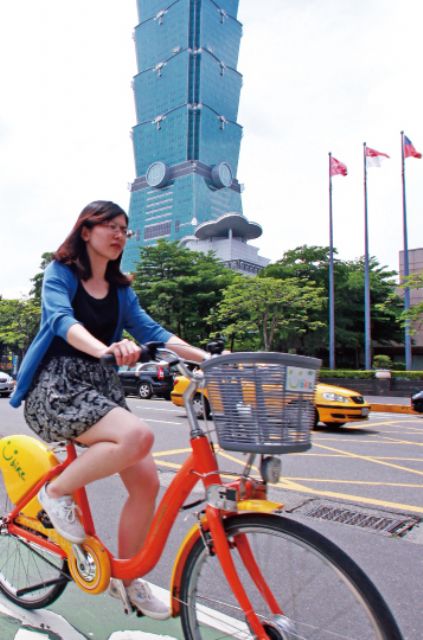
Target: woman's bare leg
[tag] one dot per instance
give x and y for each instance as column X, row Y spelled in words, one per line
column 116, row 442
column 142, row 484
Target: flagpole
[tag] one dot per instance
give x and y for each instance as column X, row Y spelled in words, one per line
column 367, row 329
column 331, row 278
column 407, row 337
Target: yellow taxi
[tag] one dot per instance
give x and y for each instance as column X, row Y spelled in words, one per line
column 334, row 406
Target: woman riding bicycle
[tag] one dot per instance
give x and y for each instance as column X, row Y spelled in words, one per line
column 87, row 302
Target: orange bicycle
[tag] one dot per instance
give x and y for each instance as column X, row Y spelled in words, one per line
column 244, row 570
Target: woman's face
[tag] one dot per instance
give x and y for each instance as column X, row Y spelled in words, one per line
column 107, row 239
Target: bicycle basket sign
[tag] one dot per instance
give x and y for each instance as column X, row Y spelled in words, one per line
column 300, row 380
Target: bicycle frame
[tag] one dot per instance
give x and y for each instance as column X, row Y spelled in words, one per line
column 201, row 465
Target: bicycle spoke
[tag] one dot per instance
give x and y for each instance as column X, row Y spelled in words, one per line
column 322, row 594
column 30, row 575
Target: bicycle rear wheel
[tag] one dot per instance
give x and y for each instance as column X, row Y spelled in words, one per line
column 322, row 592
column 30, row 576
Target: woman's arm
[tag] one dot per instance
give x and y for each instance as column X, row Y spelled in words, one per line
column 185, row 350
column 125, row 351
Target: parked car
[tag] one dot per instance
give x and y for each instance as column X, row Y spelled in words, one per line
column 417, row 401
column 7, row 384
column 334, row 406
column 147, row 379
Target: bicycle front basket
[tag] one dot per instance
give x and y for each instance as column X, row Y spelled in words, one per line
column 262, row 402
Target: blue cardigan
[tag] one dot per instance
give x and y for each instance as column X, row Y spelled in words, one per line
column 57, row 316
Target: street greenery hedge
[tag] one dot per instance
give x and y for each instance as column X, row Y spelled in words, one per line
column 366, row 374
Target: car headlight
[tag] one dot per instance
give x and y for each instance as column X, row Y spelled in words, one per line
column 334, row 397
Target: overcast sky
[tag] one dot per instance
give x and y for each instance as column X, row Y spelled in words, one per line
column 319, row 76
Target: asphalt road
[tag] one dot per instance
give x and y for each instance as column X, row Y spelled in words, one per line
column 362, row 477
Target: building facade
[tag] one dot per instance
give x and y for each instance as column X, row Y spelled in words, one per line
column 187, row 139
column 227, row 237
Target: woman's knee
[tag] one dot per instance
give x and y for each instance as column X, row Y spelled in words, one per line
column 142, row 479
column 136, row 439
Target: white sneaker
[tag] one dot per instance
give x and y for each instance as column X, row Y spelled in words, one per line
column 63, row 515
column 142, row 598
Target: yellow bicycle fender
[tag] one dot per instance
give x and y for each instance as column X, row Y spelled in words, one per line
column 260, row 506
column 23, row 461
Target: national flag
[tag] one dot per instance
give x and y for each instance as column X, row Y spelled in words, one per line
column 373, row 157
column 409, row 150
column 337, row 168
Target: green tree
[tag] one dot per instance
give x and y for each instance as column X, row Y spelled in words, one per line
column 19, row 320
column 386, row 307
column 37, row 280
column 267, row 313
column 311, row 264
column 180, row 287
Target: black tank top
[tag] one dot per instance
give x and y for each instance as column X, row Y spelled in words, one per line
column 99, row 317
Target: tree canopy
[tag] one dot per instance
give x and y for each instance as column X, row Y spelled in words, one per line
column 311, row 264
column 284, row 308
column 179, row 288
column 268, row 313
column 37, row 280
column 19, row 320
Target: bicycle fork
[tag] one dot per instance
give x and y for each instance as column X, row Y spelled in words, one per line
column 223, row 553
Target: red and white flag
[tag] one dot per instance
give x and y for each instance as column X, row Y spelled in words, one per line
column 409, row 149
column 337, row 168
column 373, row 157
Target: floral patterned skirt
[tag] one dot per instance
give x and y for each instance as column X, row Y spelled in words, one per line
column 69, row 395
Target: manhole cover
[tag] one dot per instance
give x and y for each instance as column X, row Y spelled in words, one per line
column 375, row 521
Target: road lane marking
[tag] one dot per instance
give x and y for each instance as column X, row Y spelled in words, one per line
column 341, row 455
column 356, row 441
column 372, row 459
column 162, row 421
column 170, row 452
column 142, row 406
column 288, row 484
column 388, row 423
column 396, row 506
column 392, row 441
column 370, row 483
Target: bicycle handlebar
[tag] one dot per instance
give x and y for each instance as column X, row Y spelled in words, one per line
column 153, row 351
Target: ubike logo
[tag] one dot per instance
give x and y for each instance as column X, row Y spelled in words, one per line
column 300, row 380
column 10, row 455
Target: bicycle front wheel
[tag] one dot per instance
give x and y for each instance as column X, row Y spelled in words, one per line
column 322, row 593
column 30, row 576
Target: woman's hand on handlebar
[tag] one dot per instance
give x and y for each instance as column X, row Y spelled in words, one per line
column 125, row 352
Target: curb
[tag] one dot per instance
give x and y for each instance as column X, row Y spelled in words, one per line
column 393, row 408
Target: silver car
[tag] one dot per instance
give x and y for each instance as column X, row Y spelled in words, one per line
column 7, row 384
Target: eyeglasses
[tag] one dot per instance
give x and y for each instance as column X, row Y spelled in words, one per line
column 115, row 229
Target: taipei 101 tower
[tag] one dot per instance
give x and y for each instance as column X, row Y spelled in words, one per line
column 187, row 138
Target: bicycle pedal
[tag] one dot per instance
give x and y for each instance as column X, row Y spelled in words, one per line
column 118, row 590
column 44, row 519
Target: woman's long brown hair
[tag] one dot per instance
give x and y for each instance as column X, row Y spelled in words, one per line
column 73, row 250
